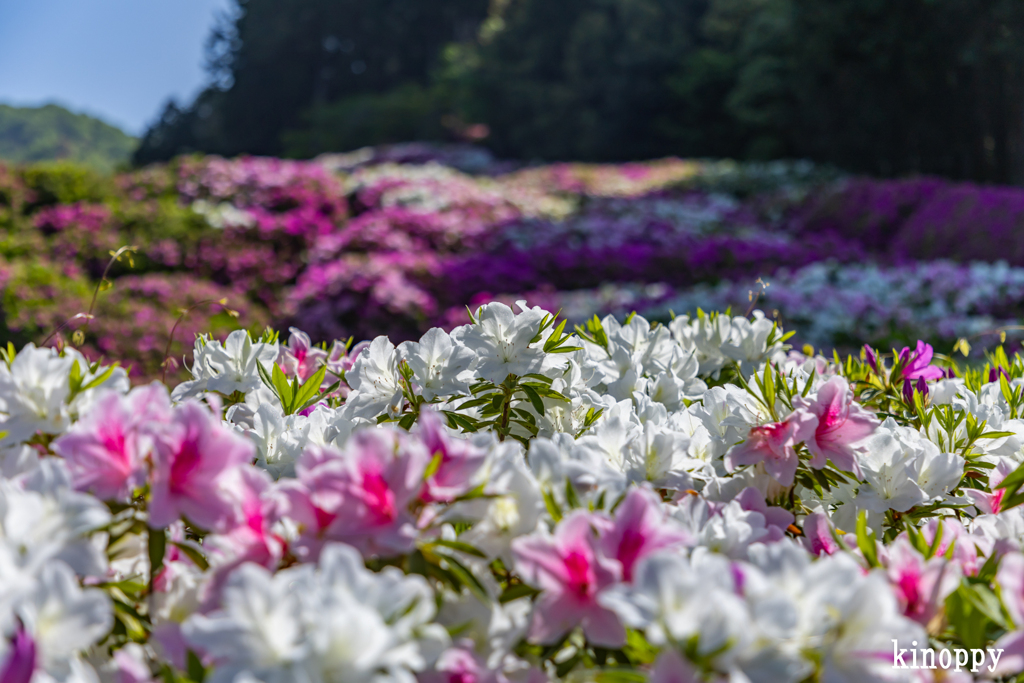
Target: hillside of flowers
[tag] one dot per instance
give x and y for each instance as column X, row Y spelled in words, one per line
column 398, row 240
column 514, row 502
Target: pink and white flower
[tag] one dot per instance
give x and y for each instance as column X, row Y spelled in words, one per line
column 840, row 425
column 106, row 450
column 192, row 460
column 571, row 570
column 361, row 496
column 774, row 445
column 641, row 527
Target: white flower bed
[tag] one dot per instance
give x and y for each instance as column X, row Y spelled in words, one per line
column 512, row 502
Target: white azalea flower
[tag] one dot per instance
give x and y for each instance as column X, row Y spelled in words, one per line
column 374, row 381
column 228, row 367
column 503, row 342
column 439, row 366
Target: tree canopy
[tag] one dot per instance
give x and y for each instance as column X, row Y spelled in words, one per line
column 915, row 86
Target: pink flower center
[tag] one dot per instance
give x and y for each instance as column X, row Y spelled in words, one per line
column 577, row 566
column 909, row 586
column 323, row 517
column 997, row 500
column 114, row 441
column 378, row 498
column 629, row 551
column 834, row 417
column 186, row 462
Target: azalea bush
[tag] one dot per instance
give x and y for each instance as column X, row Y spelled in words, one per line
column 513, row 501
column 401, row 239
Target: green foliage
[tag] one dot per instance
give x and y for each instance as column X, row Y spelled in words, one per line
column 409, row 112
column 921, row 86
column 581, row 79
column 64, row 182
column 53, row 133
column 885, row 87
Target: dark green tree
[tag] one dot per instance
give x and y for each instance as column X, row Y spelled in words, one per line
column 582, row 79
column 274, row 59
column 887, row 87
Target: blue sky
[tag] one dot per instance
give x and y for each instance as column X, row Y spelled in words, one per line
column 116, row 59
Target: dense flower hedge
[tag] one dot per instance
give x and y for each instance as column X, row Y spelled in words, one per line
column 514, row 502
column 394, row 241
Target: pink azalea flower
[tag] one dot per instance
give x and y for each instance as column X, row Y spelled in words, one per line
column 917, row 363
column 250, row 539
column 776, row 519
column 670, row 667
column 920, row 585
column 773, row 444
column 192, row 459
column 818, row 538
column 571, row 570
column 840, row 423
column 1011, row 661
column 1010, row 578
column 300, row 358
column 991, row 503
column 21, row 659
column 965, row 552
column 105, row 451
column 641, row 527
column 461, row 665
column 459, row 461
column 360, row 497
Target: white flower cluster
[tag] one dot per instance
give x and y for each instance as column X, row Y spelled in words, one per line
column 510, row 502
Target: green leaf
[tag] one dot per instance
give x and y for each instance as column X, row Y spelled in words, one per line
column 468, row 578
column 619, row 676
column 535, row 399
column 554, row 509
column 193, row 554
column 516, row 591
column 985, row 601
column 284, row 389
column 196, row 671
column 309, row 392
column 157, row 545
column 460, row 546
column 933, row 548
column 866, row 540
column 96, row 381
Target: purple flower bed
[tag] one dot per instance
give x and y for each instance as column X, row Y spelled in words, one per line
column 394, row 241
column 920, row 219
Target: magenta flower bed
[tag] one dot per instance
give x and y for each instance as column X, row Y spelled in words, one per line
column 384, row 247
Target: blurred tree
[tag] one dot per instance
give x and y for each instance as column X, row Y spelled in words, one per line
column 885, row 87
column 272, row 60
column 581, row 79
column 915, row 86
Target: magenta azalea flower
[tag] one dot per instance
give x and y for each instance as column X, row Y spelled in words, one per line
column 917, row 363
column 641, row 526
column 191, row 461
column 920, row 585
column 360, row 497
column 773, row 444
column 300, row 358
column 571, row 570
column 840, row 423
column 106, row 450
column 458, row 460
column 20, row 664
column 818, row 538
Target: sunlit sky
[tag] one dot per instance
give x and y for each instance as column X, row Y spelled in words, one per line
column 119, row 60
